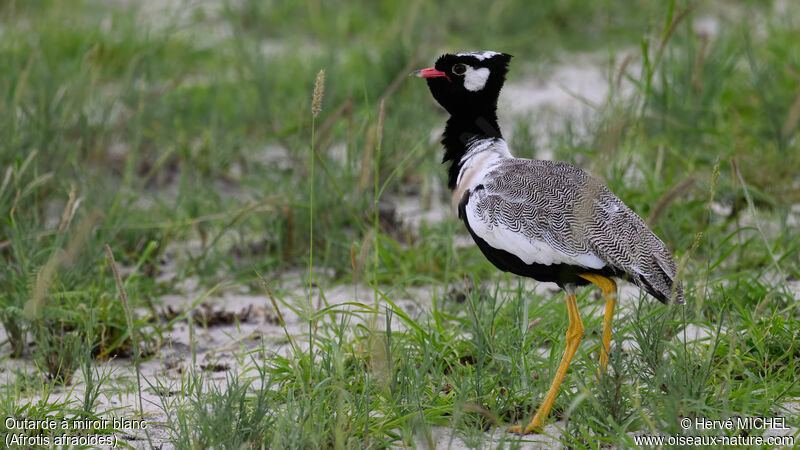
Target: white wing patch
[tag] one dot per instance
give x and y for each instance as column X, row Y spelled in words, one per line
column 475, row 79
column 480, row 56
column 530, row 251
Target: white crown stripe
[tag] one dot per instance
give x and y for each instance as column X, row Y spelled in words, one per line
column 480, row 56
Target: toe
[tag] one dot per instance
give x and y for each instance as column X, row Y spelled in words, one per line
column 533, row 429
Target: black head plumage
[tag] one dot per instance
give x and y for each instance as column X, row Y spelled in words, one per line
column 467, row 85
column 471, row 84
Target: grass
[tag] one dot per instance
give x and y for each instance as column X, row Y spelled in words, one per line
column 182, row 140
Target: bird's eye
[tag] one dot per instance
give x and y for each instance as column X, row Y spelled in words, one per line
column 459, row 69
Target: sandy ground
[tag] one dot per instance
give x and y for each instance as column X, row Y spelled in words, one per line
column 224, row 347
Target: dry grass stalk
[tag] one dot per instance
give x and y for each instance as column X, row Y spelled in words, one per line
column 363, row 253
column 712, row 188
column 121, row 288
column 323, row 138
column 673, row 26
column 668, row 197
column 792, row 118
column 289, row 243
column 128, row 320
column 60, row 257
column 622, row 68
column 381, row 116
column 699, row 59
column 372, row 143
column 366, row 159
column 474, row 407
column 683, row 264
column 398, row 80
column 277, row 311
column 66, row 216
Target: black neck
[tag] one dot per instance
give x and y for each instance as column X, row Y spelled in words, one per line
column 460, row 131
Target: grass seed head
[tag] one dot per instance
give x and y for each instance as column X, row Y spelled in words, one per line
column 319, row 92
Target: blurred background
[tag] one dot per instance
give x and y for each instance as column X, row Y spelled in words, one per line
column 180, row 133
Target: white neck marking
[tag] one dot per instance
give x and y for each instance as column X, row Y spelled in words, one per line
column 480, row 158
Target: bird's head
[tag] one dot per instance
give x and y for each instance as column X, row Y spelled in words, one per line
column 468, row 83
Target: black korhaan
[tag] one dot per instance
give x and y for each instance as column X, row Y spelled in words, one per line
column 542, row 219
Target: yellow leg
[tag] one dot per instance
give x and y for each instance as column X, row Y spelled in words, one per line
column 574, row 335
column 609, row 288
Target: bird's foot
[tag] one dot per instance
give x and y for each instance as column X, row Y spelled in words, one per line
column 534, row 427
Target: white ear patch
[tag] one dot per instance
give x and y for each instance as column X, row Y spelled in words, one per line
column 475, row 79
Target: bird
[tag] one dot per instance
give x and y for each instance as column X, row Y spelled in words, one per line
column 545, row 220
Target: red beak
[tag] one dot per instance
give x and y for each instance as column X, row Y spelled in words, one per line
column 430, row 72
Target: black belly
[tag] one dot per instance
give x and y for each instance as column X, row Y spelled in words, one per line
column 561, row 274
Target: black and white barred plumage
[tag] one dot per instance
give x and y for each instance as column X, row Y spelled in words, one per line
column 553, row 214
column 542, row 219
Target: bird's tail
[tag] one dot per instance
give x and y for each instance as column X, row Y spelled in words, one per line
column 661, row 282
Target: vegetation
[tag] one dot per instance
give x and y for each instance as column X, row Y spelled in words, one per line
column 183, row 138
